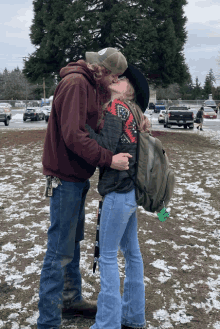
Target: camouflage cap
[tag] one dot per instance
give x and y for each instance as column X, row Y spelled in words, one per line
column 110, row 58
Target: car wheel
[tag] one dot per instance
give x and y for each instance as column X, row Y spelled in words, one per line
column 37, row 118
column 165, row 125
column 191, row 127
column 24, row 119
column 168, row 126
column 7, row 122
column 185, row 126
column 46, row 119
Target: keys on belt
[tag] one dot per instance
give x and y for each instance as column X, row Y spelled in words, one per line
column 48, row 188
column 51, row 183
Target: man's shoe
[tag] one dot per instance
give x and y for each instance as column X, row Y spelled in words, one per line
column 83, row 308
column 201, row 129
column 198, row 127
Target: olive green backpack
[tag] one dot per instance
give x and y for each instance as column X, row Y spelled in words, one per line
column 154, row 180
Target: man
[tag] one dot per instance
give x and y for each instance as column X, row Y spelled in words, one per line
column 70, row 158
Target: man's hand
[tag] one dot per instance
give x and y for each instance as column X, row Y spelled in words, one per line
column 120, row 161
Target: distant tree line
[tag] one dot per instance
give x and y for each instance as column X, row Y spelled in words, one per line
column 15, row 86
column 190, row 90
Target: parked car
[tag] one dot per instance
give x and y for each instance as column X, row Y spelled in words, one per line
column 5, row 113
column 19, row 104
column 161, row 117
column 209, row 113
column 179, row 116
column 34, row 114
column 212, row 104
column 46, row 110
column 159, row 106
column 5, row 105
column 151, row 106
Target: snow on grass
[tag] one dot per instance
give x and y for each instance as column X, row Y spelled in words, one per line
column 26, row 219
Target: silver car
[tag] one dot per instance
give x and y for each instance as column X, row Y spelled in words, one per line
column 161, row 117
column 46, row 110
column 5, row 113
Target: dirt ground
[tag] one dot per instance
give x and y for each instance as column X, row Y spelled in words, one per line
column 181, row 255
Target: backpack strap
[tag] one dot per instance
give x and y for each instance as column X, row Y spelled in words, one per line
column 137, row 117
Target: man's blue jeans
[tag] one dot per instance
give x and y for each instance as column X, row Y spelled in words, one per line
column 118, row 227
column 67, row 216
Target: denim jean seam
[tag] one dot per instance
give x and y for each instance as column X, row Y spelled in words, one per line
column 59, row 217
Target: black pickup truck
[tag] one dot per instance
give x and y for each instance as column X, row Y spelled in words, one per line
column 179, row 116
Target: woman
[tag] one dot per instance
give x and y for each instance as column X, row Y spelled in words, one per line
column 118, row 223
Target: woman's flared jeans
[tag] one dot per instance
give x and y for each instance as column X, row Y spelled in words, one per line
column 118, row 228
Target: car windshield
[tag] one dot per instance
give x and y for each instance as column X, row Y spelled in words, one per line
column 178, row 109
column 159, row 103
column 209, row 103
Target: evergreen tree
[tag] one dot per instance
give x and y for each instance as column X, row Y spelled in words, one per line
column 15, row 85
column 218, row 63
column 216, row 93
column 179, row 21
column 209, row 83
column 186, row 87
column 197, row 90
column 151, row 34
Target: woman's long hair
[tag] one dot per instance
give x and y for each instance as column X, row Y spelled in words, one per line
column 98, row 72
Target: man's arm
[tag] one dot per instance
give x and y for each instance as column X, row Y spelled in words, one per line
column 109, row 137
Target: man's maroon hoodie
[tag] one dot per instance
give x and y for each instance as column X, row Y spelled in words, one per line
column 69, row 153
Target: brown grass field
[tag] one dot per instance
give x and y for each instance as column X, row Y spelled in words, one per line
column 181, row 255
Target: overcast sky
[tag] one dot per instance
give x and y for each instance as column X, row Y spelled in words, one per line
column 201, row 50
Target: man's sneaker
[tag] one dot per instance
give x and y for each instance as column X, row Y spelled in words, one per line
column 198, row 127
column 82, row 308
column 201, row 129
